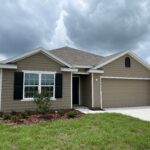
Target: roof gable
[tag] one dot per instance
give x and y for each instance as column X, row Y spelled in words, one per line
column 111, row 58
column 39, row 50
column 74, row 58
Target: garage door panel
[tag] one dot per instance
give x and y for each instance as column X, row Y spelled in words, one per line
column 125, row 93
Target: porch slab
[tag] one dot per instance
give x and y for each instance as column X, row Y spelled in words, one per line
column 86, row 110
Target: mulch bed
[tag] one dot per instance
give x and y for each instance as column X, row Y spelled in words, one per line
column 35, row 117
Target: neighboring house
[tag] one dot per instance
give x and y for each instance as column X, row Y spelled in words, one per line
column 74, row 77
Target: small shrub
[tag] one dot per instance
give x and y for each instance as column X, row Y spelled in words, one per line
column 15, row 118
column 43, row 103
column 71, row 114
column 1, row 114
column 6, row 116
column 61, row 112
column 13, row 112
column 28, row 112
column 23, row 115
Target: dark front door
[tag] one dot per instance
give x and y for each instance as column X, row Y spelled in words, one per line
column 75, row 91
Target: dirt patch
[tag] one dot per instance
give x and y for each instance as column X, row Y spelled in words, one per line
column 34, row 117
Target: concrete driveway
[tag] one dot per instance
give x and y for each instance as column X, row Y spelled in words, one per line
column 142, row 113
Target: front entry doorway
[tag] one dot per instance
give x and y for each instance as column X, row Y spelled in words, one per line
column 75, row 90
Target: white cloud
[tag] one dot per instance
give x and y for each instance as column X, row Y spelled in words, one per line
column 148, row 59
column 2, row 57
column 60, row 37
column 99, row 26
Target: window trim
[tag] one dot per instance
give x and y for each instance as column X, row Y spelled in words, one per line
column 39, row 85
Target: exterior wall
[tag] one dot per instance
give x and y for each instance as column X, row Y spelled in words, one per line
column 125, row 93
column 38, row 62
column 86, row 90
column 82, row 70
column 0, row 86
column 117, row 69
column 96, row 90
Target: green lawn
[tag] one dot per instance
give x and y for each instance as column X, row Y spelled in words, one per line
column 90, row 132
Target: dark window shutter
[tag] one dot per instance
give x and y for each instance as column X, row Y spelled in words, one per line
column 127, row 62
column 18, row 85
column 58, row 85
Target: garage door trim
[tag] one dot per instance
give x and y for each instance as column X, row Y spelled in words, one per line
column 111, row 77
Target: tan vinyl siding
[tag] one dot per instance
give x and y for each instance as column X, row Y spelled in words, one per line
column 9, row 104
column 117, row 69
column 125, row 93
column 96, row 90
column 86, row 91
column 38, row 62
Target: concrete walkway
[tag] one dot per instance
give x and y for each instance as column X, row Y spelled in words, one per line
column 142, row 113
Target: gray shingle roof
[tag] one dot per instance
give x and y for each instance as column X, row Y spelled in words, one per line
column 72, row 57
column 77, row 57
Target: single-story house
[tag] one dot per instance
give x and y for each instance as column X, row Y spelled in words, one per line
column 74, row 77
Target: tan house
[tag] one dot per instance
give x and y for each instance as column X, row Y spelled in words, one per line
column 74, row 77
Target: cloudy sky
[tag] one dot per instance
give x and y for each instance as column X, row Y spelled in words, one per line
column 99, row 26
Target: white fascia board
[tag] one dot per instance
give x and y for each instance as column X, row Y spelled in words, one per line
column 140, row 60
column 69, row 70
column 111, row 60
column 7, row 66
column 42, row 50
column 27, row 54
column 95, row 71
column 82, row 66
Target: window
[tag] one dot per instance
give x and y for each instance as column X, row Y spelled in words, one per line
column 38, row 82
column 31, row 84
column 47, row 84
column 127, row 62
